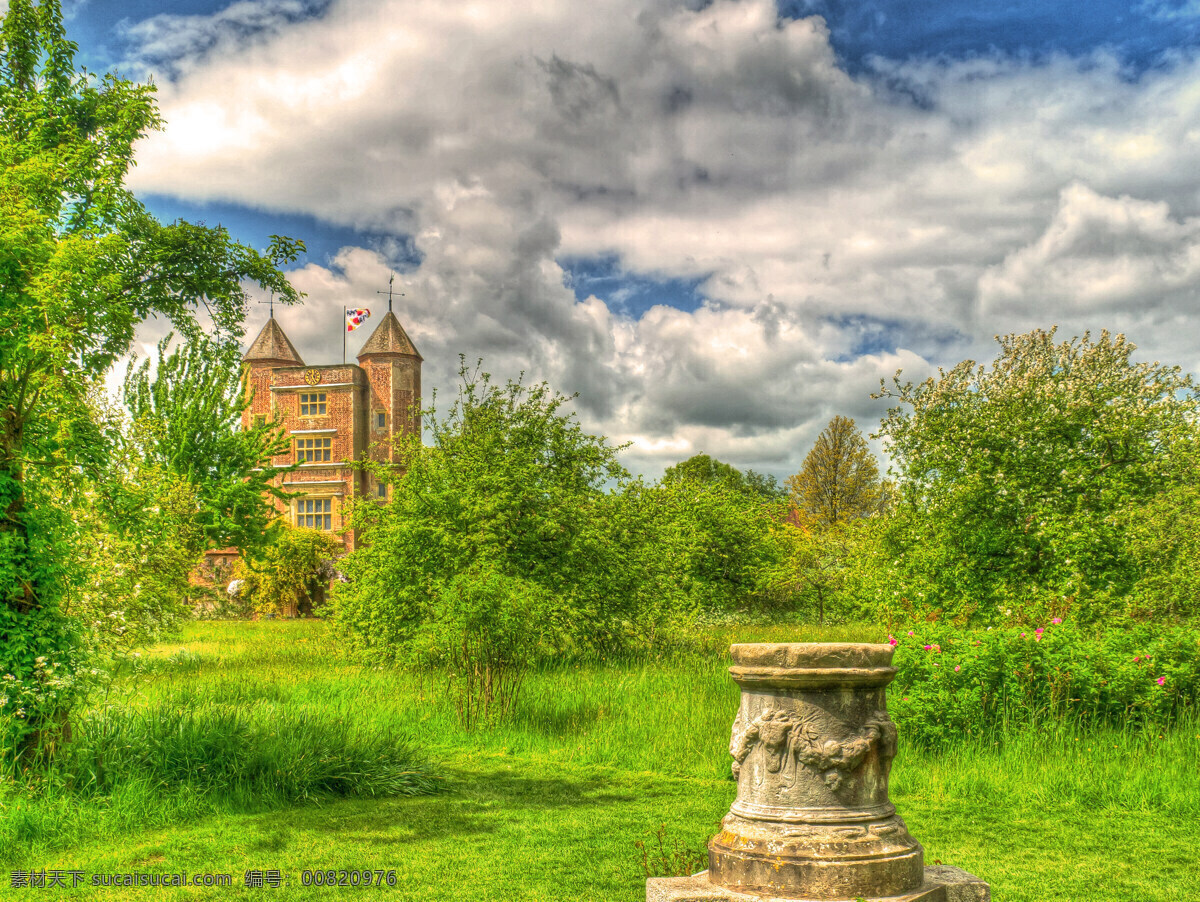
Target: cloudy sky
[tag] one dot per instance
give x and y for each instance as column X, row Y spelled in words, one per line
column 721, row 223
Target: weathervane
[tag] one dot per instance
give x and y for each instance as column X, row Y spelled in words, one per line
column 389, row 291
column 270, row 305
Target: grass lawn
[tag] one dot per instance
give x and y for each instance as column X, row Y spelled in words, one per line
column 549, row 806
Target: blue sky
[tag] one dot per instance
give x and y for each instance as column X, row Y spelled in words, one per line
column 721, row 224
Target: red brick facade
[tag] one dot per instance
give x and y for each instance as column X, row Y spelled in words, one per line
column 333, row 416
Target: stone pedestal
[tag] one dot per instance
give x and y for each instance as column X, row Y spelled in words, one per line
column 812, row 749
column 942, row 884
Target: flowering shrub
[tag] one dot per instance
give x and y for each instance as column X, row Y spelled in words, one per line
column 955, row 683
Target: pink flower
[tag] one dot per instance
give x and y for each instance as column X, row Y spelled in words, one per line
column 1022, row 635
column 927, row 647
column 936, row 647
column 1040, row 630
column 957, row 668
column 1161, row 680
column 910, row 632
column 892, row 640
column 1056, row 620
column 1137, row 658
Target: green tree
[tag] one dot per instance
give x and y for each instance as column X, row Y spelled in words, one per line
column 839, row 480
column 1016, row 480
column 499, row 546
column 291, row 573
column 1162, row 540
column 81, row 264
column 189, row 415
column 704, row 470
column 718, row 542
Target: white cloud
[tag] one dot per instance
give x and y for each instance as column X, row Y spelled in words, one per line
column 843, row 226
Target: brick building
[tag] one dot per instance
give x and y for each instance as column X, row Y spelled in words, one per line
column 334, row 415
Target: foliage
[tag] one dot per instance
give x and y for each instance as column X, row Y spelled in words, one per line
column 81, row 263
column 498, row 547
column 813, row 573
column 704, row 470
column 189, row 415
column 956, row 682
column 1017, row 481
column 132, row 543
column 1162, row 541
column 291, row 573
column 839, row 480
column 136, row 550
column 713, row 543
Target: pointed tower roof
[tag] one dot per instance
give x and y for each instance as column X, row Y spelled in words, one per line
column 273, row 347
column 389, row 338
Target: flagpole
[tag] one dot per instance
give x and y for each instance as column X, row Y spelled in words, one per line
column 343, row 336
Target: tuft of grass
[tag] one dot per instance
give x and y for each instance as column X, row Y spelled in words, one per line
column 240, row 752
column 200, row 748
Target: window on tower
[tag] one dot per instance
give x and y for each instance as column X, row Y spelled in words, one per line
column 315, row 513
column 312, row 405
column 314, row 450
column 380, row 420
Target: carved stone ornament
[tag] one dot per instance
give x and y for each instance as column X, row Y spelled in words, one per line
column 312, row 377
column 812, row 749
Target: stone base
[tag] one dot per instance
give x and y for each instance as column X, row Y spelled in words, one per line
column 942, row 884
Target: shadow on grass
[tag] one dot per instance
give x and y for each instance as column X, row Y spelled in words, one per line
column 558, row 721
column 473, row 803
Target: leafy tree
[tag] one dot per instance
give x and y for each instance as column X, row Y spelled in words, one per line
column 189, row 414
column 717, row 543
column 291, row 573
column 1162, row 540
column 704, row 470
column 499, row 546
column 765, row 486
column 137, row 544
column 1016, row 481
column 839, row 480
column 81, row 264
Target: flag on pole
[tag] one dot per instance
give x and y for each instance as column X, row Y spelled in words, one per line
column 355, row 318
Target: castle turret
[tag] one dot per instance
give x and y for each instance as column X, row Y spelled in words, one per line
column 271, row 349
column 393, row 368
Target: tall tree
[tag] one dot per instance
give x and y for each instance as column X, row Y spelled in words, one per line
column 188, row 418
column 839, row 480
column 81, row 264
column 1018, row 480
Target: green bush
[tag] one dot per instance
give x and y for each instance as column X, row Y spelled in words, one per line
column 291, row 573
column 955, row 683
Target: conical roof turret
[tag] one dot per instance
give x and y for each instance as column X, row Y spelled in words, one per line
column 273, row 347
column 389, row 339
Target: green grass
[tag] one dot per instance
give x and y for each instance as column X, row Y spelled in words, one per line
column 549, row 805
